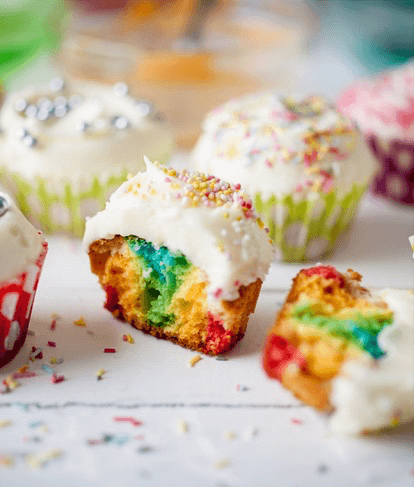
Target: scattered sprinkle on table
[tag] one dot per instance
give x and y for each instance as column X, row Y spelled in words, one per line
column 220, row 358
column 80, row 322
column 296, row 421
column 221, row 464
column 182, row 427
column 51, row 344
column 127, row 419
column 40, row 460
column 100, row 373
column 229, row 435
column 193, row 360
column 128, row 338
column 55, row 379
column 241, row 388
column 48, row 369
column 145, row 449
column 109, row 350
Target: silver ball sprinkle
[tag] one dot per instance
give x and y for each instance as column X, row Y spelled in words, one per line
column 120, row 89
column 60, row 100
column 120, row 123
column 82, row 126
column 43, row 114
column 74, row 101
column 21, row 132
column 4, row 205
column 144, row 108
column 57, row 84
column 20, row 105
column 29, row 141
column 31, row 111
column 45, row 104
column 60, row 111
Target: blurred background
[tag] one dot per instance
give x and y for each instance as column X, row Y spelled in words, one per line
column 190, row 55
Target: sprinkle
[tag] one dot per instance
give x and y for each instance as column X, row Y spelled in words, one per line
column 193, row 360
column 56, row 379
column 100, row 373
column 220, row 358
column 145, row 449
column 120, row 89
column 139, row 437
column 43, row 429
column 24, row 375
column 80, row 322
column 128, row 338
column 5, row 422
column 6, row 461
column 51, row 344
column 118, row 440
column 240, row 388
column 182, row 427
column 56, row 361
column 296, row 421
column 57, row 84
column 41, row 459
column 229, row 435
column 221, row 464
column 48, row 369
column 128, row 419
column 53, row 325
column 36, row 353
column 10, row 383
column 34, row 424
column 94, row 442
column 23, row 369
column 109, row 350
column 218, row 292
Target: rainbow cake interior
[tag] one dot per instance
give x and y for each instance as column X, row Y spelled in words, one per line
column 164, row 294
column 327, row 319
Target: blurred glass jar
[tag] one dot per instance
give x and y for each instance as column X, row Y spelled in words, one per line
column 189, row 56
column 27, row 28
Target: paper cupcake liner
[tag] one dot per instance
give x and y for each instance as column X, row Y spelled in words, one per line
column 16, row 302
column 59, row 208
column 308, row 229
column 395, row 180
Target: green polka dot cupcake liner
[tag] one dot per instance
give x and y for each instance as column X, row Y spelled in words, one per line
column 56, row 207
column 307, row 229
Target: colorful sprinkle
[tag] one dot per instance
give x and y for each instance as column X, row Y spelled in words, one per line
column 109, row 350
column 127, row 419
column 194, row 360
column 51, row 344
column 80, row 322
column 57, row 378
column 128, row 338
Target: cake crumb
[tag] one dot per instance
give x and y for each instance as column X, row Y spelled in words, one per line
column 80, row 322
column 38, row 461
column 5, row 422
column 6, row 461
column 194, row 360
column 182, row 427
column 100, row 374
column 221, row 463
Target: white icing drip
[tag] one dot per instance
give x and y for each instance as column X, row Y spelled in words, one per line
column 62, row 151
column 20, row 242
column 369, row 394
column 244, row 142
column 231, row 252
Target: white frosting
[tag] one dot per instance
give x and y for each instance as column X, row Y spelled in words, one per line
column 370, row 394
column 64, row 152
column 262, row 141
column 20, row 242
column 229, row 247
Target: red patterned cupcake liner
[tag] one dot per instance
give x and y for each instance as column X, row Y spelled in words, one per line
column 16, row 302
column 395, row 180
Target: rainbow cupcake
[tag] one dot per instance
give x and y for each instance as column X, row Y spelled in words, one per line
column 65, row 148
column 383, row 107
column 23, row 254
column 304, row 164
column 345, row 350
column 181, row 256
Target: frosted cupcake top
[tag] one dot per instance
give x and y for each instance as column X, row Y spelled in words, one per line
column 274, row 144
column 80, row 129
column 370, row 394
column 20, row 242
column 383, row 105
column 211, row 222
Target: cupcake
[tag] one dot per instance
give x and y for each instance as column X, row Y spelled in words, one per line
column 345, row 350
column 383, row 107
column 66, row 148
column 181, row 256
column 304, row 164
column 23, row 254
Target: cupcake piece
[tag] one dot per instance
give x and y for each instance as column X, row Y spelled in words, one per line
column 383, row 107
column 304, row 164
column 23, row 254
column 343, row 349
column 65, row 149
column 181, row 256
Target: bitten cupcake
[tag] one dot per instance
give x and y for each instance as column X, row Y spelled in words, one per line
column 181, row 256
column 66, row 148
column 23, row 254
column 383, row 107
column 305, row 165
column 346, row 350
